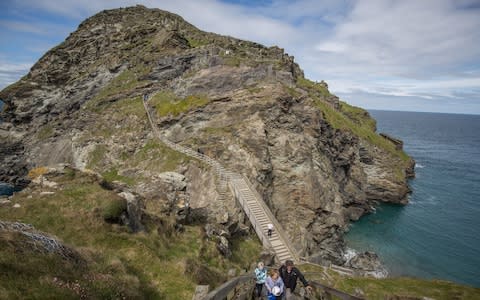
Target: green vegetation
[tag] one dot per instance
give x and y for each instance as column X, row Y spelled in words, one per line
column 96, row 156
column 391, row 288
column 112, row 175
column 358, row 115
column 363, row 130
column 195, row 43
column 291, row 91
column 129, row 107
column 126, row 81
column 353, row 119
column 313, row 86
column 167, row 103
column 233, row 61
column 113, row 209
column 157, row 264
column 45, row 132
column 155, row 156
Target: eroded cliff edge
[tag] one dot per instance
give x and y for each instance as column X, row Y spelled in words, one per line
column 316, row 160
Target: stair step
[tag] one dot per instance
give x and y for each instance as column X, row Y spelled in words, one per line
column 282, row 251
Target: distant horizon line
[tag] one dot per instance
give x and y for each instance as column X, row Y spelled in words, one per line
column 421, row 111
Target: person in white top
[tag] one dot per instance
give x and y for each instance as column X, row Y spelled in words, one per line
column 270, row 229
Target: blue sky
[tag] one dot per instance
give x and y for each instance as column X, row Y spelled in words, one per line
column 377, row 54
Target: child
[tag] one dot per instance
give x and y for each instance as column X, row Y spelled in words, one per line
column 274, row 285
column 261, row 276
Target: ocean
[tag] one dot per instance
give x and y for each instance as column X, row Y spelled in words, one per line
column 437, row 235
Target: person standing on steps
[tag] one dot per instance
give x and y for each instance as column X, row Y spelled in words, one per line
column 269, row 229
column 260, row 276
column 290, row 274
column 275, row 285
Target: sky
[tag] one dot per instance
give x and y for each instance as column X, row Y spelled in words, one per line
column 409, row 55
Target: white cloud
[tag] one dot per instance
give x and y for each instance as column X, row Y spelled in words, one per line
column 407, row 49
column 11, row 72
column 404, row 38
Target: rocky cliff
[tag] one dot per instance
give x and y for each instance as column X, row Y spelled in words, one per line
column 316, row 160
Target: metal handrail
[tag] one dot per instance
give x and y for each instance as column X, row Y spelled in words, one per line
column 280, row 231
column 222, row 291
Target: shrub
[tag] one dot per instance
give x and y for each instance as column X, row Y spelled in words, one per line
column 113, row 210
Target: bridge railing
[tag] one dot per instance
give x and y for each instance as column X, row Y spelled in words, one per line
column 251, row 216
column 277, row 226
column 230, row 288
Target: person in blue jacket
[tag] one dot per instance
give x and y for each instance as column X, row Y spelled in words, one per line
column 260, row 276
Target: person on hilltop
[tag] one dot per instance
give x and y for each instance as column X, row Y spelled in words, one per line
column 260, row 276
column 274, row 285
column 290, row 274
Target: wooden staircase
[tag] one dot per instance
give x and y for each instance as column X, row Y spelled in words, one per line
column 249, row 199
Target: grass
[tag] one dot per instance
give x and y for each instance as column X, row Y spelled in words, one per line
column 45, row 132
column 195, row 43
column 389, row 288
column 125, row 82
column 292, row 92
column 112, row 175
column 313, row 86
column 351, row 118
column 363, row 130
column 408, row 287
column 167, row 103
column 358, row 115
column 117, row 264
column 130, row 106
column 96, row 156
column 155, row 156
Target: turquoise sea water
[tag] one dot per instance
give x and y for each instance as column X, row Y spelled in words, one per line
column 437, row 235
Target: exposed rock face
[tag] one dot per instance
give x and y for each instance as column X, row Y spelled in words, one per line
column 29, row 239
column 246, row 105
column 369, row 264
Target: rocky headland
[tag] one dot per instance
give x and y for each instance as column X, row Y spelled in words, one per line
column 317, row 161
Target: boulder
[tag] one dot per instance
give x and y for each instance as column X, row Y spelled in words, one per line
column 176, row 180
column 224, row 246
column 135, row 211
column 368, row 263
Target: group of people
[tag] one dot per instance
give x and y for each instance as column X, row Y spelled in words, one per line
column 279, row 284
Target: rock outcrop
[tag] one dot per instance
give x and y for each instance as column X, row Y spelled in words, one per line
column 246, row 105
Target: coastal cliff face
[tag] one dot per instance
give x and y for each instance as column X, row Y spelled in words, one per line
column 316, row 160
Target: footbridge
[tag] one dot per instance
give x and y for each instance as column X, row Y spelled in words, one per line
column 252, row 203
